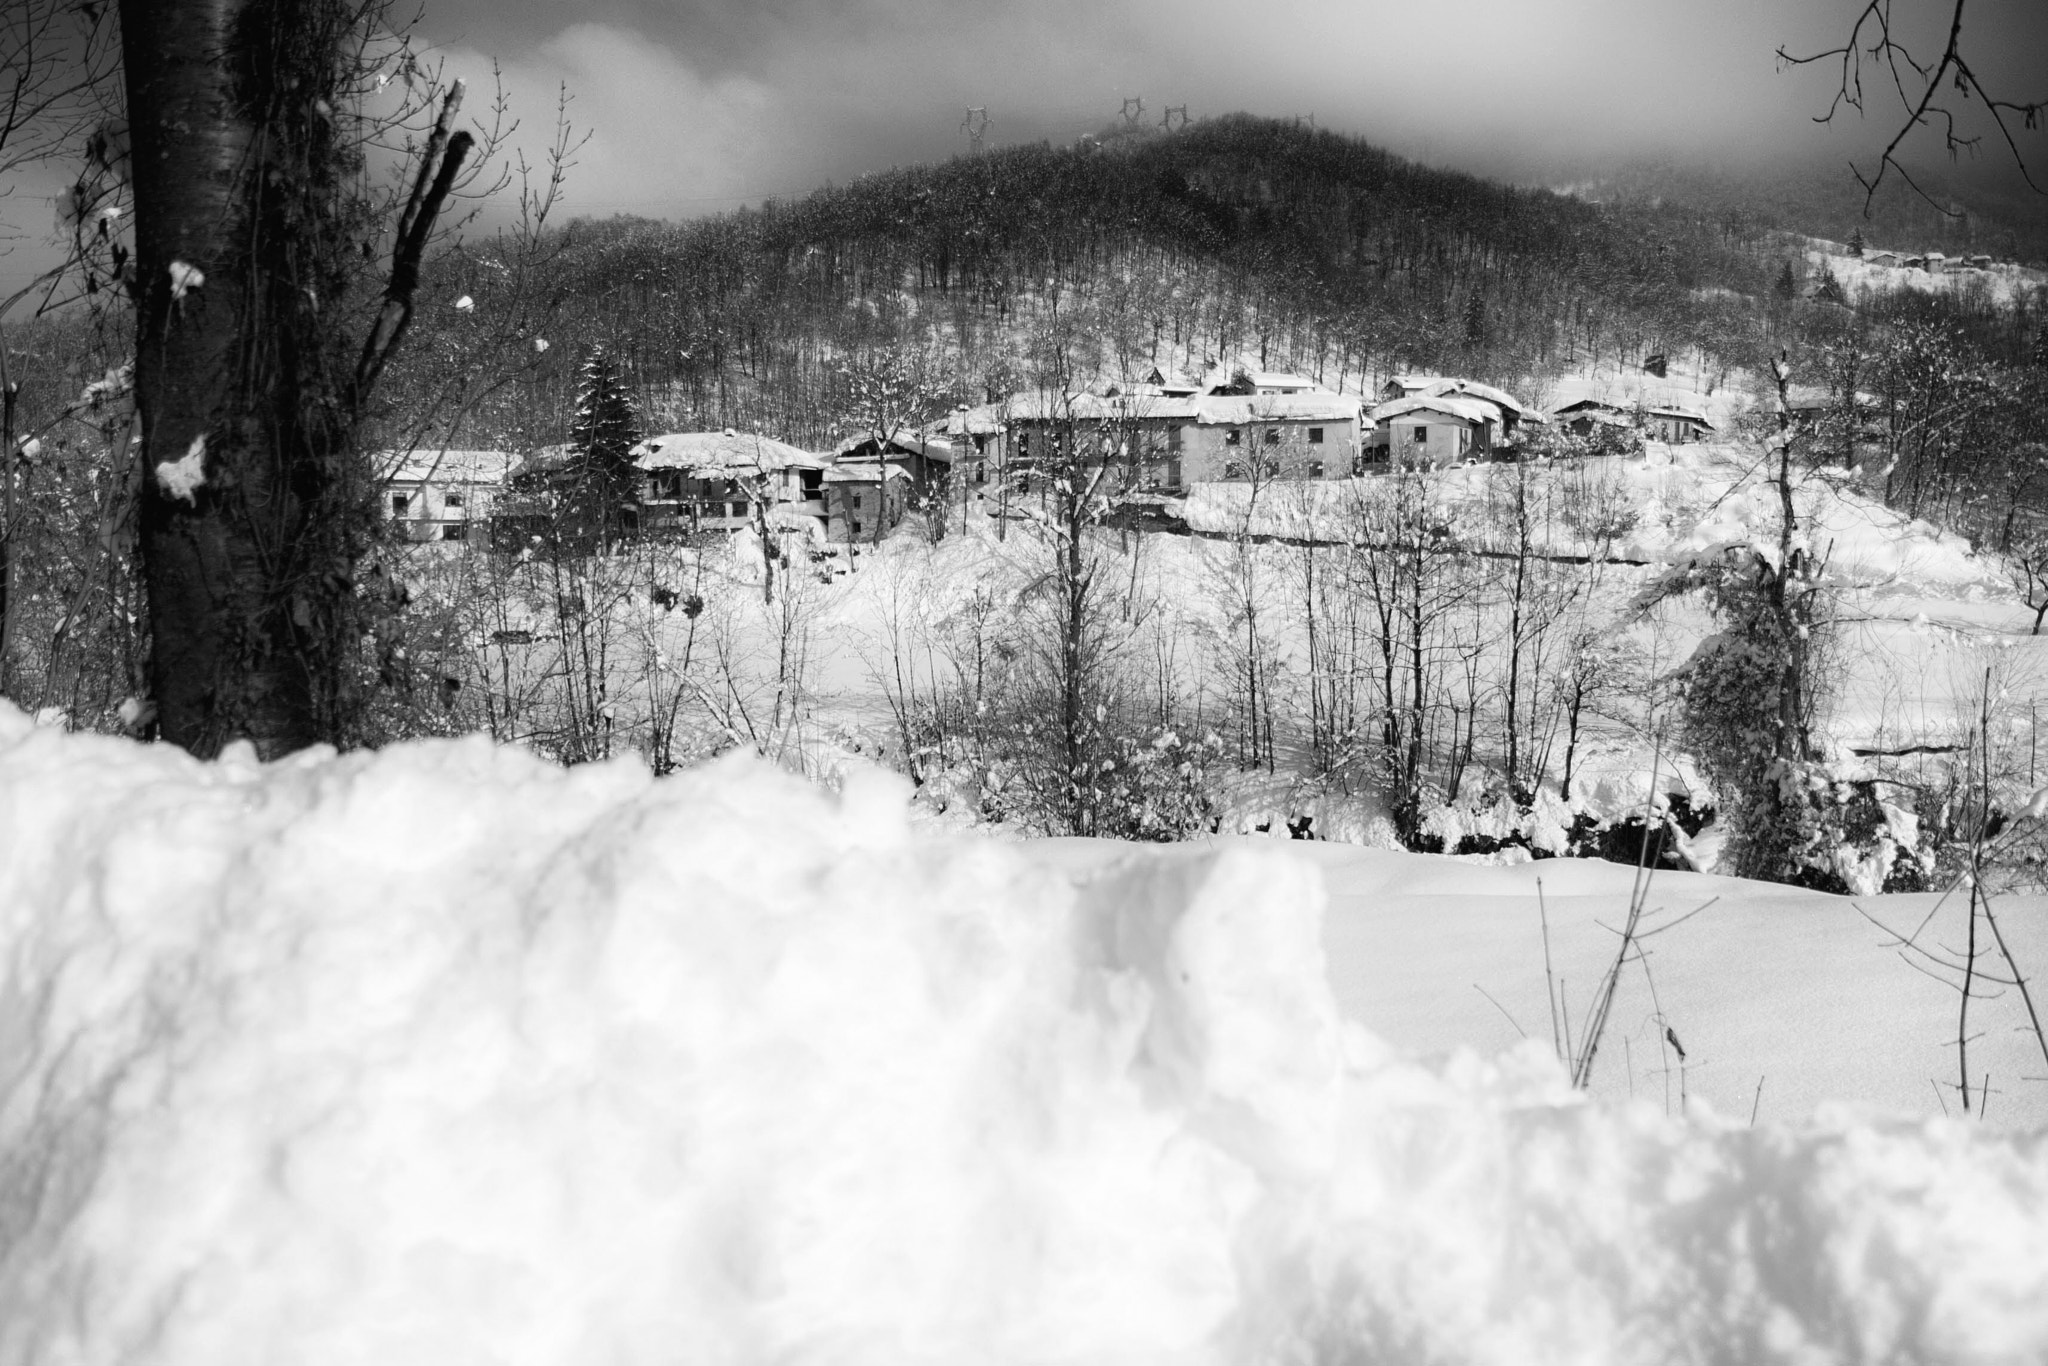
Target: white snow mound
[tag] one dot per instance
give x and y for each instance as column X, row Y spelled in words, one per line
column 444, row 1055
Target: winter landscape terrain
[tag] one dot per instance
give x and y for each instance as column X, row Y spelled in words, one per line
column 1405, row 732
column 446, row 1053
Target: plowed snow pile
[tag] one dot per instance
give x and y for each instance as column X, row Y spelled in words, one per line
column 447, row 1056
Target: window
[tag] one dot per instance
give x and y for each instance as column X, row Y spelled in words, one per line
column 856, row 528
column 1233, row 469
column 1315, row 436
column 1315, row 469
column 452, row 498
column 1421, row 434
column 1272, row 436
column 1272, row 469
column 399, row 503
column 454, row 531
column 1173, row 439
column 1233, row 437
column 856, row 502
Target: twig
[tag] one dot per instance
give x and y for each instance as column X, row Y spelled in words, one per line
column 1755, row 1102
column 1549, row 982
column 1501, row 1008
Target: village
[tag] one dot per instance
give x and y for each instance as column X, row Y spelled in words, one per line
column 1160, row 435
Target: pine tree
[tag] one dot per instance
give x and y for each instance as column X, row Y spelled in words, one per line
column 603, row 479
column 1787, row 287
column 1856, row 242
column 607, row 425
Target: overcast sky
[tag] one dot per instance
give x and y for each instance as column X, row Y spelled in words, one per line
column 700, row 105
column 696, row 106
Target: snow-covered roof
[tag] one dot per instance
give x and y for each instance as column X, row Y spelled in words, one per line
column 1682, row 414
column 1588, row 405
column 446, row 467
column 862, row 472
column 1279, row 381
column 1414, row 384
column 1464, row 409
column 726, row 450
column 1472, row 388
column 983, row 419
column 1314, row 406
column 1084, row 407
column 903, row 439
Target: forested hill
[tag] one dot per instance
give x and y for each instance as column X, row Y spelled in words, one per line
column 1237, row 235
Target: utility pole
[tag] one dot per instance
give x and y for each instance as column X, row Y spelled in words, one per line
column 976, row 126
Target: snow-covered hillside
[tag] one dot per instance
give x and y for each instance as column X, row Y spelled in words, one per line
column 446, row 1054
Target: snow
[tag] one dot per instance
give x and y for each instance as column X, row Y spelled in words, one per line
column 183, row 477
column 446, row 1054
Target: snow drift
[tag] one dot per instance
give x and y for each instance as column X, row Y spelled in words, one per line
column 445, row 1055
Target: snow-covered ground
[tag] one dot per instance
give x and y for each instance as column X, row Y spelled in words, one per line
column 448, row 1055
column 2002, row 283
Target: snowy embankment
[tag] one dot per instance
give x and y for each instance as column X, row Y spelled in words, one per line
column 447, row 1055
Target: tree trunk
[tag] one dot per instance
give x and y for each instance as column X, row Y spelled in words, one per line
column 220, row 100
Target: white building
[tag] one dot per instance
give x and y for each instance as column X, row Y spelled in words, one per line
column 442, row 495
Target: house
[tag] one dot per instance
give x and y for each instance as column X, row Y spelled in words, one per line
column 1407, row 386
column 1312, row 434
column 1153, row 437
column 713, row 481
column 1511, row 411
column 1936, row 263
column 1143, row 432
column 865, row 500
column 976, row 435
column 1437, row 429
column 441, row 495
column 1675, row 425
column 1581, row 416
column 1881, row 258
column 926, row 457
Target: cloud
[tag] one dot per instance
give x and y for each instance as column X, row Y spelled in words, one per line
column 665, row 138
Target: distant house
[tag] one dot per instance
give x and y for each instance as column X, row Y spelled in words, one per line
column 442, row 495
column 1980, row 263
column 1437, row 429
column 1936, row 262
column 1581, row 416
column 926, row 457
column 713, row 481
column 1881, row 258
column 1142, row 433
column 1407, row 386
column 865, row 500
column 1298, row 434
column 1675, row 425
column 1512, row 412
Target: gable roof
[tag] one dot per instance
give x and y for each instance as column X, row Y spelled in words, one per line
column 1683, row 414
column 1588, row 405
column 1472, row 388
column 445, row 466
column 726, row 450
column 1447, row 405
column 903, row 439
column 1313, row 406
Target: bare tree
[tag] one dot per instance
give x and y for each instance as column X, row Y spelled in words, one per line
column 1933, row 89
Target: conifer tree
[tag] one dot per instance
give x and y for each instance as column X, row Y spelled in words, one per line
column 606, row 428
column 1787, row 287
column 1856, row 242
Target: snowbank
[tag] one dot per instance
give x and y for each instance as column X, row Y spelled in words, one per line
column 448, row 1056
